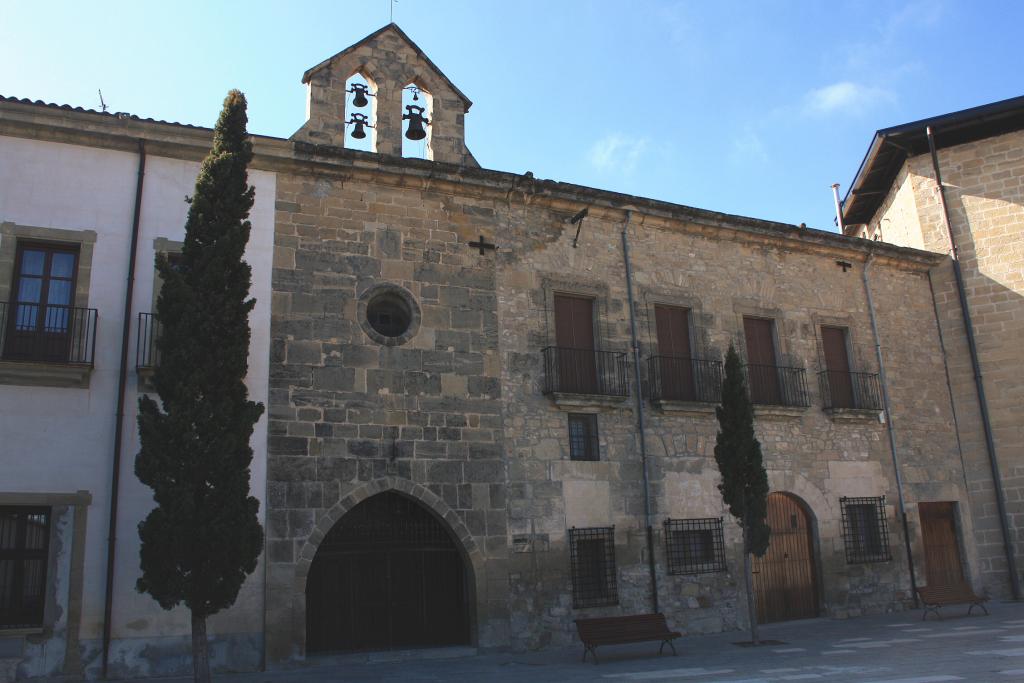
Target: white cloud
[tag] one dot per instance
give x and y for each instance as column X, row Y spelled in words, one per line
column 617, row 152
column 844, row 97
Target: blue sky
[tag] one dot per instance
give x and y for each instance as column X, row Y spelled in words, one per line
column 750, row 108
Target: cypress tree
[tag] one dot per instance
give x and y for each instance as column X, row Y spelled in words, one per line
column 203, row 537
column 744, row 485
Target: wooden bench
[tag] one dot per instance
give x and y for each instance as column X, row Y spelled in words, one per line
column 636, row 628
column 934, row 597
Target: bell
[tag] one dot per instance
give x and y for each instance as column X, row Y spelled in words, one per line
column 360, row 121
column 416, row 122
column 360, row 99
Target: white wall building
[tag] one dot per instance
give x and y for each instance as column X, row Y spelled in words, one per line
column 67, row 211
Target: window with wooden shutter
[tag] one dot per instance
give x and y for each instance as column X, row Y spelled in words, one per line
column 675, row 362
column 762, row 371
column 574, row 341
column 837, row 367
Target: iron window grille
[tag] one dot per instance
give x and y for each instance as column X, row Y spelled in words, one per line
column 695, row 546
column 583, row 443
column 865, row 530
column 24, row 547
column 592, row 560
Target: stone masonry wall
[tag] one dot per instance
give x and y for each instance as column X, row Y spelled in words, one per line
column 346, row 411
column 985, row 193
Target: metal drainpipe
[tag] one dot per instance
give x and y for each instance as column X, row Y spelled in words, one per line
column 122, row 380
column 979, row 383
column 640, row 413
column 889, row 425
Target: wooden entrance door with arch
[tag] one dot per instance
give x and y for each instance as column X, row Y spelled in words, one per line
column 388, row 575
column 785, row 578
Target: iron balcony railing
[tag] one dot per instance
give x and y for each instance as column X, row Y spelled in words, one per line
column 147, row 356
column 584, row 371
column 850, row 390
column 45, row 333
column 775, row 385
column 680, row 378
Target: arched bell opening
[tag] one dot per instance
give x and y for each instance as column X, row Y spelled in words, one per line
column 786, row 577
column 388, row 575
column 360, row 113
column 417, row 121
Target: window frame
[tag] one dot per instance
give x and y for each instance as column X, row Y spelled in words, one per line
column 676, row 552
column 20, row 616
column 591, row 441
column 600, row 588
column 865, row 536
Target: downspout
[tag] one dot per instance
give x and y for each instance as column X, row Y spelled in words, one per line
column 979, row 383
column 640, row 413
column 122, row 380
column 890, row 429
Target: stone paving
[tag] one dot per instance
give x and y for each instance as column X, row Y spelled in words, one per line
column 895, row 648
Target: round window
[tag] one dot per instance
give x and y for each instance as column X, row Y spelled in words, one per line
column 388, row 314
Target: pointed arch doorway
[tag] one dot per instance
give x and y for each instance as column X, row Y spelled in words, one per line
column 785, row 578
column 388, row 575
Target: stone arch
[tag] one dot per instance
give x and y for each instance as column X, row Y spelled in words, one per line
column 472, row 555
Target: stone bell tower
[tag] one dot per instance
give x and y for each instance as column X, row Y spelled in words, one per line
column 391, row 65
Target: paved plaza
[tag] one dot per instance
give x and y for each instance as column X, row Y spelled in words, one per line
column 895, row 648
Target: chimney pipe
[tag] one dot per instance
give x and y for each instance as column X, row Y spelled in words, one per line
column 839, row 207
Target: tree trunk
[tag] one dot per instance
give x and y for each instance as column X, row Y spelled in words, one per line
column 748, row 577
column 200, row 651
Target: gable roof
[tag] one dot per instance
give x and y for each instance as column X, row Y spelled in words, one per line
column 401, row 34
column 891, row 147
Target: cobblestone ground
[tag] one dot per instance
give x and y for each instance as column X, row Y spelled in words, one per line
column 896, row 648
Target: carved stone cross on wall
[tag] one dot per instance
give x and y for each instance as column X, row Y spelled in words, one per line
column 482, row 245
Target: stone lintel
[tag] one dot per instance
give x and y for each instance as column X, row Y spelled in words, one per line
column 586, row 403
column 854, row 414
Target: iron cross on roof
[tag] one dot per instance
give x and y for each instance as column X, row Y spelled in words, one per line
column 483, row 245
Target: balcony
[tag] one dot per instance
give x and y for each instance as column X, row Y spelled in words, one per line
column 46, row 345
column 683, row 384
column 147, row 356
column 576, row 378
column 777, row 386
column 852, row 395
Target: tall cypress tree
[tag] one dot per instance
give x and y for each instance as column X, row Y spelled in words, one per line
column 744, row 484
column 204, row 537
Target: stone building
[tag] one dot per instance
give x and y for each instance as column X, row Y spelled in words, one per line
column 457, row 363
column 979, row 156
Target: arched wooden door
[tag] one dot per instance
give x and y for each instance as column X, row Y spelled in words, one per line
column 785, row 582
column 388, row 575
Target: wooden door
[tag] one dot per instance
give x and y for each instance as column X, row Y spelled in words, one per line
column 761, row 364
column 675, row 365
column 574, row 337
column 837, row 367
column 387, row 576
column 785, row 584
column 941, row 548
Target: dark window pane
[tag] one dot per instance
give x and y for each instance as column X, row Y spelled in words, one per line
column 30, row 289
column 583, row 443
column 32, row 262
column 865, row 530
column 24, row 541
column 592, row 563
column 62, row 265
column 695, row 546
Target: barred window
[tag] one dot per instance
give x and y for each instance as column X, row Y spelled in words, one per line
column 583, row 437
column 592, row 558
column 24, row 542
column 865, row 530
column 695, row 546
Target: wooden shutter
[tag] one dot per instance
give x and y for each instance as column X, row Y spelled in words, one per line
column 574, row 337
column 574, row 322
column 675, row 363
column 837, row 366
column 761, row 364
